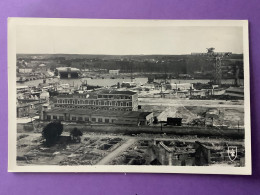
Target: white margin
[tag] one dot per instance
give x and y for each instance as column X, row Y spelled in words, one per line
column 12, row 134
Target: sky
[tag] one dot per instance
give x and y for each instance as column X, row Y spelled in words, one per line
column 125, row 40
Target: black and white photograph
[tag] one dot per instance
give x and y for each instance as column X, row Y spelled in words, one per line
column 159, row 96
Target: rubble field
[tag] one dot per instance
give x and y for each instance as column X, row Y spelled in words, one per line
column 112, row 149
column 183, row 153
column 31, row 150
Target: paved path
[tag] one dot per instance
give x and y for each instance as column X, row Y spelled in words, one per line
column 184, row 102
column 117, row 152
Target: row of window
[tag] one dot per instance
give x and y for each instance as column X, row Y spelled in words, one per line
column 93, row 108
column 114, row 97
column 54, row 117
column 79, row 118
column 65, row 101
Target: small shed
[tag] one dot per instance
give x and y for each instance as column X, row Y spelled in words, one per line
column 174, row 121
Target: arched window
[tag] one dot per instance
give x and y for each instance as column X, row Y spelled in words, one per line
column 127, row 104
column 110, row 103
column 105, row 103
column 116, row 104
column 99, row 103
column 63, row 101
column 121, row 104
column 94, row 102
column 73, row 102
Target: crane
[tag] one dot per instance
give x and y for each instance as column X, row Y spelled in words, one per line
column 217, row 57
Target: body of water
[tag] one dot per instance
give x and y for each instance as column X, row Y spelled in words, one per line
column 109, row 82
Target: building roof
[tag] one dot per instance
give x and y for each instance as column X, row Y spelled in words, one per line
column 22, row 87
column 115, row 92
column 67, row 69
column 21, row 105
column 84, row 96
column 94, row 94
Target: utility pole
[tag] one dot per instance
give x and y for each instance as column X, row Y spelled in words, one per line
column 131, row 73
column 236, row 75
column 161, row 91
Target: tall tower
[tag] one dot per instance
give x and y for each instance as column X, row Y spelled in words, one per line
column 217, row 57
column 218, row 71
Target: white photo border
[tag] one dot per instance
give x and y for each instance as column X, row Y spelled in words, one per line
column 12, row 126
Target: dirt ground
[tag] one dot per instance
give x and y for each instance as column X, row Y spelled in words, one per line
column 221, row 113
column 98, row 148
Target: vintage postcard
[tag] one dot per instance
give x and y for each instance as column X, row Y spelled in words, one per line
column 159, row 96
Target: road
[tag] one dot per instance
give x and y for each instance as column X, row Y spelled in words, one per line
column 184, row 102
column 117, row 152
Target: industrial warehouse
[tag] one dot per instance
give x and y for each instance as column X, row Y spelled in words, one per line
column 117, row 107
column 99, row 116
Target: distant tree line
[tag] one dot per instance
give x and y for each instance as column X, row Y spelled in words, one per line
column 170, row 64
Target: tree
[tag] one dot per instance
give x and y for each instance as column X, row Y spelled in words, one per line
column 75, row 134
column 51, row 132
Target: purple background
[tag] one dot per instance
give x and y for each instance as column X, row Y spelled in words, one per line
column 119, row 183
